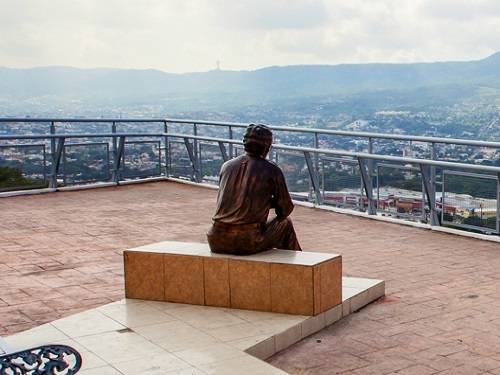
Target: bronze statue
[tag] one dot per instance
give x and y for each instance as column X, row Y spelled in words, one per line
column 250, row 185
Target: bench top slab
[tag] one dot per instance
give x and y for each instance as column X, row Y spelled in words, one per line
column 304, row 258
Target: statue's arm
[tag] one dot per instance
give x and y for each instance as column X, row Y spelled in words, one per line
column 281, row 201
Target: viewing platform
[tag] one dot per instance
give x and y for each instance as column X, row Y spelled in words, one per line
column 62, row 254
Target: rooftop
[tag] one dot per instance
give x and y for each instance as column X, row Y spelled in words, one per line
column 61, row 253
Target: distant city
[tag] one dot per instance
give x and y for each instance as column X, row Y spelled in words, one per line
column 415, row 99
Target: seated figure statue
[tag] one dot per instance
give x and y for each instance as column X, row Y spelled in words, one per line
column 250, row 185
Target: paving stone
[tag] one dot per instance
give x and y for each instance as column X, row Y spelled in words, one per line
column 442, row 304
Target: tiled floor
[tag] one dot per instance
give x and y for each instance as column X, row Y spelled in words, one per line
column 61, row 253
column 131, row 337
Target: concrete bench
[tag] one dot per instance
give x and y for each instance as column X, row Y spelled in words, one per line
column 282, row 281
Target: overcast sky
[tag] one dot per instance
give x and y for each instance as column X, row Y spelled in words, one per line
column 191, row 35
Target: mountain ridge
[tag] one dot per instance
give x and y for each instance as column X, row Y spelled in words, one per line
column 95, row 85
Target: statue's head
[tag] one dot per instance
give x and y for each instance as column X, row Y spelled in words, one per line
column 257, row 140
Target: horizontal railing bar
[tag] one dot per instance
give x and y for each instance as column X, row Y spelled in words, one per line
column 142, row 142
column 205, row 122
column 78, row 135
column 397, row 166
column 86, row 144
column 346, row 133
column 339, row 160
column 364, row 155
column 468, row 174
column 23, row 145
column 400, row 137
column 77, row 120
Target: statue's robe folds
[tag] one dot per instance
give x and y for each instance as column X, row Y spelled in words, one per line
column 249, row 187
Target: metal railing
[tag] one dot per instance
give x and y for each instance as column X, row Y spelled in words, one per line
column 367, row 164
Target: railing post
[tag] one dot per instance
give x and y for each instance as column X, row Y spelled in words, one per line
column 313, row 174
column 230, row 145
column 368, row 186
column 114, row 149
column 56, row 162
column 370, row 163
column 196, row 147
column 167, row 150
column 431, row 197
column 118, row 160
column 192, row 157
column 316, row 158
column 223, row 151
column 44, row 163
column 63, row 157
column 316, row 155
column 432, row 178
column 53, row 178
column 498, row 204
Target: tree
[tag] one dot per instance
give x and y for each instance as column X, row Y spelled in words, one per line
column 12, row 177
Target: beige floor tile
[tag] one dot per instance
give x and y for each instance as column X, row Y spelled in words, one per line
column 41, row 335
column 348, row 292
column 126, row 301
column 333, row 315
column 89, row 359
column 275, row 326
column 209, row 354
column 90, row 322
column 246, row 365
column 264, row 349
column 313, row 324
column 206, row 317
column 135, row 314
column 247, row 342
column 115, row 347
column 346, row 307
column 359, row 300
column 74, row 344
column 359, row 283
column 187, row 371
column 257, row 316
column 376, row 291
column 176, row 336
column 235, row 332
column 156, row 364
column 165, row 306
column 287, row 338
column 106, row 370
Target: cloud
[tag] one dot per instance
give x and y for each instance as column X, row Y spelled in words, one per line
column 269, row 15
column 191, row 35
column 461, row 10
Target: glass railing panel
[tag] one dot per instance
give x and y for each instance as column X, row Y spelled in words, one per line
column 296, row 174
column 85, row 163
column 23, row 167
column 179, row 164
column 142, row 159
column 469, row 200
column 211, row 162
column 399, row 192
column 341, row 183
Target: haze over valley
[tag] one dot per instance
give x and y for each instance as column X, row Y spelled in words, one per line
column 444, row 98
